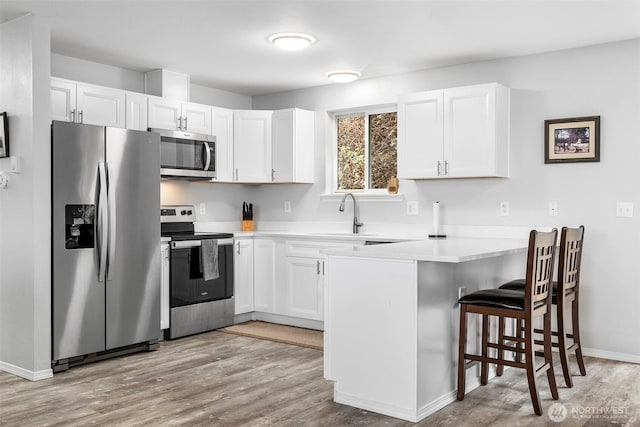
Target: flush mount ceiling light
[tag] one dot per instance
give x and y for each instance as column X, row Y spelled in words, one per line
column 292, row 41
column 343, row 76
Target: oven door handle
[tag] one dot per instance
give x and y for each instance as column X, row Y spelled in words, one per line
column 181, row 244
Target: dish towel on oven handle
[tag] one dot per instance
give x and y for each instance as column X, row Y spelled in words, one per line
column 209, row 259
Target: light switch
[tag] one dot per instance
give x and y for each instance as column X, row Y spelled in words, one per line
column 287, row 206
column 553, row 208
column 203, row 208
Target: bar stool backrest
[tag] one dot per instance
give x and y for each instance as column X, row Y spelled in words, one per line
column 569, row 263
column 540, row 261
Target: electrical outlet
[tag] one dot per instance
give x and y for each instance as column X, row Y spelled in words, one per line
column 553, row 208
column 624, row 209
column 504, row 209
column 203, row 208
column 287, row 206
column 412, row 208
column 462, row 291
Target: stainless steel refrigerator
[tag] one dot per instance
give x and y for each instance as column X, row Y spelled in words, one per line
column 106, row 247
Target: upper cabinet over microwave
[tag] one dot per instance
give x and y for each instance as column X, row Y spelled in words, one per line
column 181, row 116
column 454, row 133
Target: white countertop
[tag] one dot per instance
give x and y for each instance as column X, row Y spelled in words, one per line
column 451, row 249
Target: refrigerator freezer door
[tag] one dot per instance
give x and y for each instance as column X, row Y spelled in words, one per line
column 133, row 271
column 78, row 298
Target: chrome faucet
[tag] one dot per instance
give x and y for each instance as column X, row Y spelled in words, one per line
column 356, row 224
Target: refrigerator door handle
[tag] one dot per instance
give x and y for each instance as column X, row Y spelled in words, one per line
column 111, row 202
column 207, row 149
column 102, row 218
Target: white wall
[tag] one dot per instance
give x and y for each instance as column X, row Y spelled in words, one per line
column 600, row 80
column 25, row 206
column 81, row 70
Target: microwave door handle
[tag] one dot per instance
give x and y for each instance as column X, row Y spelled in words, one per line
column 111, row 202
column 207, row 150
column 102, row 214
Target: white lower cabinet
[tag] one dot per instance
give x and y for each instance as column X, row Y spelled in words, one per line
column 165, row 274
column 305, row 287
column 243, row 275
column 264, row 281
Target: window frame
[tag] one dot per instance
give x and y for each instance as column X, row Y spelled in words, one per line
column 332, row 179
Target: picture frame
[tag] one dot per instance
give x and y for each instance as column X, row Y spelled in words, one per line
column 572, row 140
column 4, row 135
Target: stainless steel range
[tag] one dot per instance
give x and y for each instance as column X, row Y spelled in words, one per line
column 201, row 279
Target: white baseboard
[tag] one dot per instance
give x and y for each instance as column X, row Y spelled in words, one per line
column 25, row 373
column 611, row 355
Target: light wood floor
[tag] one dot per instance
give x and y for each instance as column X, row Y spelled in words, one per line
column 218, row 379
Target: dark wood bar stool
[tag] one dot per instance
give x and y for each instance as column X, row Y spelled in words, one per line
column 565, row 293
column 525, row 307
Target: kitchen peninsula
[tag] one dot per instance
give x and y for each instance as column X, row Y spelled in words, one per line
column 391, row 318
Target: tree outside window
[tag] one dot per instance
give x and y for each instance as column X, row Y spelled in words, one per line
column 367, row 150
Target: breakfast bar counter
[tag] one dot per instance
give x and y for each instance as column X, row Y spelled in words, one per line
column 391, row 318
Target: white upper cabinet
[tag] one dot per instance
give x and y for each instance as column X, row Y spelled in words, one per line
column 196, row 118
column 164, row 113
column 293, row 145
column 252, row 146
column 90, row 104
column 421, row 130
column 136, row 111
column 222, row 129
column 63, row 100
column 454, row 133
column 175, row 115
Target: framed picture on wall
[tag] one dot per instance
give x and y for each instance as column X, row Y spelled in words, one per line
column 4, row 135
column 572, row 140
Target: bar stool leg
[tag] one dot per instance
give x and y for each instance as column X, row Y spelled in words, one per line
column 500, row 368
column 530, row 362
column 462, row 340
column 575, row 325
column 562, row 343
column 484, row 366
column 548, row 359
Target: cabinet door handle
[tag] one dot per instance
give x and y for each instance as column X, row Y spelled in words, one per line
column 238, row 246
column 73, row 115
column 439, row 169
column 273, row 174
column 81, row 116
column 323, row 268
column 446, row 167
column 179, row 122
column 236, row 174
column 317, row 267
column 185, row 123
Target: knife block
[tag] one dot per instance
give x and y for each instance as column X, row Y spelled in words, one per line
column 248, row 225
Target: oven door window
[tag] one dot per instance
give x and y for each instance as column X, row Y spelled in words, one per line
column 187, row 284
column 178, row 153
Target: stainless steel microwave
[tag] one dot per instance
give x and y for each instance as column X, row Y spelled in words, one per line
column 186, row 155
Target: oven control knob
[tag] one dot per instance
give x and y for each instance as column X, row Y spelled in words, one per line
column 189, row 212
column 183, row 212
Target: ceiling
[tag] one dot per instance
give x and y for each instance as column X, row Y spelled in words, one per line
column 224, row 44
